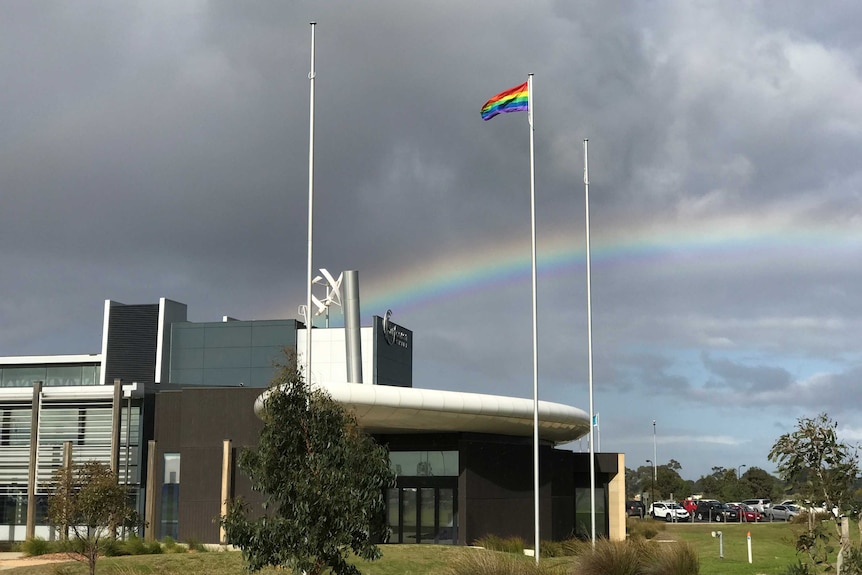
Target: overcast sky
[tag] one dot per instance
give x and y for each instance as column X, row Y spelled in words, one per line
column 160, row 149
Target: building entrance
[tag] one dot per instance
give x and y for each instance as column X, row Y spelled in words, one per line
column 423, row 513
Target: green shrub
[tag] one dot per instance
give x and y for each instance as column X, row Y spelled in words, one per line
column 171, row 546
column 112, row 548
column 798, row 568
column 497, row 543
column 611, row 558
column 551, row 549
column 671, row 559
column 851, row 561
column 484, row 562
column 644, row 529
column 574, row 546
column 134, row 545
column 195, row 545
column 638, row 557
column 154, row 548
column 36, row 546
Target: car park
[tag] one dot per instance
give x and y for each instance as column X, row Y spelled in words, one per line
column 712, row 510
column 635, row 508
column 669, row 511
column 746, row 513
column 783, row 512
column 758, row 504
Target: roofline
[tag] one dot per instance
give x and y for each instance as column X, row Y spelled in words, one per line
column 50, row 359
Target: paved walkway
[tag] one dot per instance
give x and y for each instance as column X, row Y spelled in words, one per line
column 12, row 559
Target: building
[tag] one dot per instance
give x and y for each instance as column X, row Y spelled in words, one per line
column 169, row 403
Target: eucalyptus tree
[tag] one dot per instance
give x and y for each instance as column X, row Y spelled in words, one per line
column 323, row 479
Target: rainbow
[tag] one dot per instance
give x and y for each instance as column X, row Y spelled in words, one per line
column 512, row 100
column 724, row 241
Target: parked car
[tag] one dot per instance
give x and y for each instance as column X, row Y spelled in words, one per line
column 712, row 510
column 810, row 507
column 669, row 511
column 759, row 504
column 746, row 513
column 783, row 512
column 635, row 508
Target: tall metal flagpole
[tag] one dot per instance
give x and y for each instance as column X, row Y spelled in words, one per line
column 590, row 348
column 310, row 214
column 535, row 328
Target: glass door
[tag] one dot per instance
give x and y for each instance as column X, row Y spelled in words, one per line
column 422, row 515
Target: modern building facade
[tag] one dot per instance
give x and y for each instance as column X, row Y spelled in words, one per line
column 169, row 404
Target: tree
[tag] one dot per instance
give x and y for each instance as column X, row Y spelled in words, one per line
column 669, row 482
column 323, row 479
column 710, row 485
column 87, row 500
column 821, row 469
column 756, row 482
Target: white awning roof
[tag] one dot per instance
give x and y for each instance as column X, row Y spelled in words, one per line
column 387, row 409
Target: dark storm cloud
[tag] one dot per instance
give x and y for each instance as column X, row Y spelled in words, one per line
column 161, row 149
column 743, row 378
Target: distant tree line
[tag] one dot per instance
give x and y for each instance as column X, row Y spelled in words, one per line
column 722, row 483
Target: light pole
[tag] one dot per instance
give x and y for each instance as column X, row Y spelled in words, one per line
column 654, row 457
column 652, row 485
column 739, row 471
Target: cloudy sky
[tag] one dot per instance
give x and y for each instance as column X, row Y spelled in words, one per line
column 160, row 149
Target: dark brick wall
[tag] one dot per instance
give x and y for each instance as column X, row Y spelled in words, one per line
column 194, row 422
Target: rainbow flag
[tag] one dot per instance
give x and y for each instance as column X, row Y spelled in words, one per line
column 513, row 100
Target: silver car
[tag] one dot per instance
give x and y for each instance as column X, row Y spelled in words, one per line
column 759, row 504
column 783, row 512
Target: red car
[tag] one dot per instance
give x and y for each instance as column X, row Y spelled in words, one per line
column 746, row 513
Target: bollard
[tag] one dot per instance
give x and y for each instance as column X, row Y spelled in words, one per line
column 749, row 546
column 720, row 543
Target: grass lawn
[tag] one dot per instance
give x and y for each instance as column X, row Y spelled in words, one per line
column 397, row 560
column 773, row 549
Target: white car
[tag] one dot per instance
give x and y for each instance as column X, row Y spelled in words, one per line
column 669, row 511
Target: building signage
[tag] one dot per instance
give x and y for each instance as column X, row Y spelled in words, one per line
column 394, row 334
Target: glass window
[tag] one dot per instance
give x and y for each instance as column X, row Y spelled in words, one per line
column 169, row 517
column 64, row 375
column 447, row 533
column 22, row 376
column 427, row 515
column 424, row 463
column 408, row 514
column 393, row 517
column 172, row 468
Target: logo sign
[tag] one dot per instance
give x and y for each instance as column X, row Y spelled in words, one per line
column 393, row 333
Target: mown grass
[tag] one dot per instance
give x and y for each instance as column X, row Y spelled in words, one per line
column 773, row 547
column 397, row 560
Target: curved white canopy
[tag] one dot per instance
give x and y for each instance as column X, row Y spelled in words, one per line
column 387, row 409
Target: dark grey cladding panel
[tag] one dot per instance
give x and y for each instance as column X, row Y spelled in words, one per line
column 393, row 345
column 132, row 343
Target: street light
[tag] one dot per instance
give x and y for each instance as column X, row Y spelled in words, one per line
column 739, row 471
column 652, row 485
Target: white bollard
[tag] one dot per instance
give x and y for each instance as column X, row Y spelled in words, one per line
column 720, row 543
column 749, row 546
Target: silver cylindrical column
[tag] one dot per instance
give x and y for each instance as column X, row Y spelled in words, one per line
column 352, row 333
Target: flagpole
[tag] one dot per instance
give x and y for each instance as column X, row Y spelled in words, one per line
column 535, row 327
column 590, row 348
column 308, row 316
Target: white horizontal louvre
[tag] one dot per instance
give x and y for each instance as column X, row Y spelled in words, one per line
column 85, row 423
column 14, row 447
